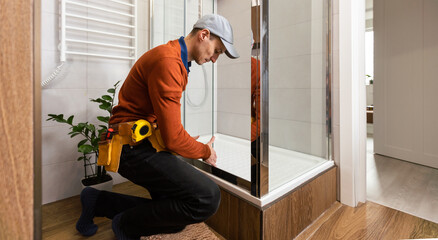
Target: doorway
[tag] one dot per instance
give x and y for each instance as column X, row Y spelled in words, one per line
column 405, row 185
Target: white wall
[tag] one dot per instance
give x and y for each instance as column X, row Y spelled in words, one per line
column 81, row 79
column 406, row 50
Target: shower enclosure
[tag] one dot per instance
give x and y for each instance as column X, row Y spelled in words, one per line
column 269, row 110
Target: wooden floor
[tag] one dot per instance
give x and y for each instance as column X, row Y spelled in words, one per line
column 59, row 218
column 405, row 186
column 368, row 221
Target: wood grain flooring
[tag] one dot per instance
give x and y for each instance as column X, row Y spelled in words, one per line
column 405, row 186
column 368, row 221
column 59, row 218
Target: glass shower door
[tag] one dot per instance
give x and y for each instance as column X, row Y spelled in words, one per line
column 298, row 88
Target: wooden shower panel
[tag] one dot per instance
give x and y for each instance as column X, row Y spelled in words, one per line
column 284, row 219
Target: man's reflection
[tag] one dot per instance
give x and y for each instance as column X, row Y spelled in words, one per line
column 255, row 123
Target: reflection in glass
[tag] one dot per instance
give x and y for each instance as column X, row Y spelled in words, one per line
column 297, row 88
column 255, row 99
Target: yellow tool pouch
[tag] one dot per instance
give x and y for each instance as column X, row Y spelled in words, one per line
column 109, row 153
column 111, row 149
column 156, row 140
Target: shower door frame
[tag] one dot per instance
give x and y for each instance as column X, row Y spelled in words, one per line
column 262, row 185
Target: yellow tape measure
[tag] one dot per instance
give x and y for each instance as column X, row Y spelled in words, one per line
column 141, row 130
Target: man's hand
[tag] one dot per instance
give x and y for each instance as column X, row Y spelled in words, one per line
column 212, row 159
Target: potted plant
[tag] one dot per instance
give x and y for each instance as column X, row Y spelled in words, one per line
column 369, row 90
column 88, row 146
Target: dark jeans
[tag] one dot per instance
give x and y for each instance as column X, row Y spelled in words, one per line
column 181, row 194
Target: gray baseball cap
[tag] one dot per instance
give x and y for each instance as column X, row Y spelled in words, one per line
column 220, row 27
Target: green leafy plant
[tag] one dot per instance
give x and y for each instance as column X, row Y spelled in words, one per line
column 370, row 78
column 89, row 144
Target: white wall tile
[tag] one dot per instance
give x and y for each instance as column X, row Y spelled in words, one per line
column 49, row 62
column 238, row 13
column 229, row 8
column 143, row 15
column 199, row 76
column 143, row 42
column 291, row 135
column 290, row 41
column 318, row 140
column 207, row 6
column 317, row 36
column 318, row 106
column 57, row 146
column 61, row 180
column 318, row 71
column 197, row 101
column 243, row 47
column 49, row 6
column 236, row 75
column 104, row 73
column 49, row 31
column 63, row 101
column 234, row 101
column 72, row 75
column 290, row 104
column 286, row 13
column 199, row 124
column 317, row 9
column 290, row 72
column 237, row 125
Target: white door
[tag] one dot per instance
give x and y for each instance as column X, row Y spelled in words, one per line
column 406, row 80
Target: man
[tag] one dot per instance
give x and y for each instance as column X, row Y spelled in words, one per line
column 181, row 195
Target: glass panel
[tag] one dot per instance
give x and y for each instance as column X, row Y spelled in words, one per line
column 167, row 22
column 297, row 88
column 233, row 101
column 199, row 92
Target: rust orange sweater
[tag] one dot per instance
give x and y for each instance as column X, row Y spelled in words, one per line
column 255, row 98
column 152, row 91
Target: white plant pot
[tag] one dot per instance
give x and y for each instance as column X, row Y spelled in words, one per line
column 107, row 186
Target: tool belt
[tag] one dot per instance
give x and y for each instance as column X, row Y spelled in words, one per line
column 111, row 144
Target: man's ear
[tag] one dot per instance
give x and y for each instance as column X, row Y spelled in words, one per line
column 204, row 34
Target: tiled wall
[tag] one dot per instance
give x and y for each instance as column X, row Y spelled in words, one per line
column 297, row 67
column 234, row 75
column 82, row 78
